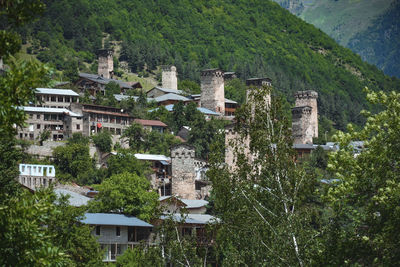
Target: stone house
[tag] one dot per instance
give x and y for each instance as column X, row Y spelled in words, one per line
column 117, row 232
column 55, row 98
column 61, row 123
column 152, row 125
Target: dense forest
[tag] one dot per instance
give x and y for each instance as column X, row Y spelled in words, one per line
column 256, row 38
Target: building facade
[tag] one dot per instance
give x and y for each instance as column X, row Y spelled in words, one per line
column 212, row 90
column 169, row 77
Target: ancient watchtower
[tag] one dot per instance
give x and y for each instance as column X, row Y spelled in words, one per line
column 183, row 171
column 106, row 63
column 212, row 90
column 169, row 77
column 258, row 84
column 305, row 117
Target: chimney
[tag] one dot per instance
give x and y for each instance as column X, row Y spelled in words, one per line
column 106, row 63
column 212, row 90
column 169, row 77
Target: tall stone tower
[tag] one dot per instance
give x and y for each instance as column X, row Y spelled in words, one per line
column 183, row 171
column 305, row 117
column 106, row 63
column 258, row 83
column 212, row 90
column 169, row 77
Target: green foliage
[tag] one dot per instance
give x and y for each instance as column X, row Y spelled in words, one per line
column 18, row 85
column 159, row 143
column 71, row 71
column 262, row 201
column 126, row 193
column 136, row 135
column 140, row 256
column 235, row 89
column 125, row 161
column 103, row 141
column 73, row 162
column 189, row 87
column 364, row 203
column 254, row 39
column 43, row 136
column 78, row 139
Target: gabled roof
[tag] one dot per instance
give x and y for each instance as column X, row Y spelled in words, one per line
column 150, row 123
column 166, row 90
column 75, row 199
column 51, row 110
column 198, row 96
column 191, row 218
column 98, row 79
column 230, row 101
column 171, row 96
column 53, row 91
column 113, row 219
column 152, row 157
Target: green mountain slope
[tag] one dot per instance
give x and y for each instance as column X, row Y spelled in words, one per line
column 380, row 43
column 253, row 38
column 368, row 27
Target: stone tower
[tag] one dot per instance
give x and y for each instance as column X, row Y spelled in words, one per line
column 305, row 117
column 169, row 77
column 106, row 63
column 258, row 83
column 302, row 130
column 183, row 171
column 212, row 90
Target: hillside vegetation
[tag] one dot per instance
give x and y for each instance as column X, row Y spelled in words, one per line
column 252, row 38
column 369, row 27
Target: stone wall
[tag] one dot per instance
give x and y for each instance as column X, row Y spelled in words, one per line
column 183, row 171
column 169, row 77
column 302, row 128
column 106, row 63
column 309, row 98
column 212, row 90
column 44, row 151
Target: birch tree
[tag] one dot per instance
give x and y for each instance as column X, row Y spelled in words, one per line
column 262, row 199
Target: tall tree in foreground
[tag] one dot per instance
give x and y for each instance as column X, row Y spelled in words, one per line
column 261, row 199
column 364, row 203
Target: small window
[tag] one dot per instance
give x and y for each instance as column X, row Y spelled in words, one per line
column 98, row 230
column 78, row 126
column 38, row 126
column 118, row 231
column 38, row 116
column 53, row 99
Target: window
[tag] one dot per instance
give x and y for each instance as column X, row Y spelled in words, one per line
column 118, row 231
column 30, row 116
column 98, row 230
column 38, row 126
column 53, row 99
column 67, row 99
column 38, row 116
column 78, row 126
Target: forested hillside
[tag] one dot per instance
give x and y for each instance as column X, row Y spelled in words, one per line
column 369, row 27
column 253, row 38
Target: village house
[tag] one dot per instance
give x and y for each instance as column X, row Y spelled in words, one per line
column 55, row 98
column 34, row 176
column 172, row 204
column 117, row 232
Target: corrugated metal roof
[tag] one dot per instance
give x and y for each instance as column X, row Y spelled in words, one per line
column 191, row 218
column 150, row 123
column 205, row 111
column 230, row 101
column 152, row 157
column 113, row 219
column 98, row 79
column 171, row 96
column 54, row 91
column 75, row 199
column 190, row 203
column 51, row 110
column 166, row 90
column 120, row 97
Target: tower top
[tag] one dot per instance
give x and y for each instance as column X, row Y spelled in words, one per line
column 168, row 68
column 105, row 52
column 309, row 94
column 212, row 72
column 258, row 82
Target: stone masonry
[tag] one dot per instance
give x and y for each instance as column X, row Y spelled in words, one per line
column 212, row 90
column 106, row 63
column 302, row 128
column 169, row 77
column 257, row 84
column 183, row 171
column 309, row 98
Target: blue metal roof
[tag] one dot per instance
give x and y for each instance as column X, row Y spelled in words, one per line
column 202, row 110
column 113, row 219
column 191, row 218
column 75, row 199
